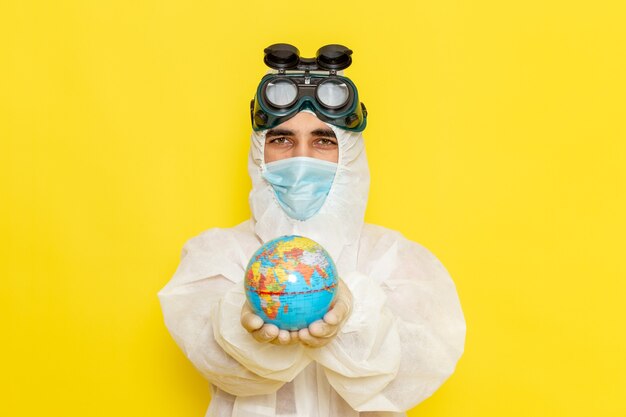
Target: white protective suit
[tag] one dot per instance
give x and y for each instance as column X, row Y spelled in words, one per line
column 402, row 340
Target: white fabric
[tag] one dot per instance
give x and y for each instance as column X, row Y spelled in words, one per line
column 401, row 342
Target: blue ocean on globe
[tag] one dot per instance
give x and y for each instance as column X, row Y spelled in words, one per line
column 291, row 282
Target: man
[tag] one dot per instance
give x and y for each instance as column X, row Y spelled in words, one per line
column 396, row 331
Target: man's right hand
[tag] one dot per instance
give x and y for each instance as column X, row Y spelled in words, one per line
column 265, row 332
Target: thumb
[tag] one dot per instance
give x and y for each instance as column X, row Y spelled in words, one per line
column 249, row 320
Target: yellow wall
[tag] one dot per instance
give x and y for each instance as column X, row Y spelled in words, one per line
column 496, row 139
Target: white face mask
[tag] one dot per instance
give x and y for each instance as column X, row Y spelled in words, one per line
column 338, row 223
column 301, row 184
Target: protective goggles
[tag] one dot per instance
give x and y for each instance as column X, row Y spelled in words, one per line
column 307, row 83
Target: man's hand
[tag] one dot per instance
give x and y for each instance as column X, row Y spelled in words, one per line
column 322, row 332
column 265, row 332
column 318, row 334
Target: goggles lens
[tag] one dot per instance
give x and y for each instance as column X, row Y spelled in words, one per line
column 332, row 93
column 281, row 93
column 334, row 99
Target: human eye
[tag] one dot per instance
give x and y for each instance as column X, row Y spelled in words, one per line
column 280, row 141
column 326, row 142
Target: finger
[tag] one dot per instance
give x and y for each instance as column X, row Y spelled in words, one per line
column 284, row 337
column 338, row 313
column 251, row 321
column 322, row 329
column 308, row 340
column 266, row 333
column 342, row 305
column 331, row 317
column 291, row 338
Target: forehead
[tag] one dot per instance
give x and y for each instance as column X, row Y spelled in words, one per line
column 301, row 124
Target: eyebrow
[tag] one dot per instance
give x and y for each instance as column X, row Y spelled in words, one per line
column 287, row 132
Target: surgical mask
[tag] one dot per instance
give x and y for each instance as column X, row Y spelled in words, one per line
column 301, row 184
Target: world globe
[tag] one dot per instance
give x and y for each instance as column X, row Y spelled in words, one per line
column 291, row 282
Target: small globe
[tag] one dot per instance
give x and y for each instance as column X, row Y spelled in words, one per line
column 291, row 282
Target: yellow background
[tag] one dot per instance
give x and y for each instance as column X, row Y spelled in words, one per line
column 496, row 138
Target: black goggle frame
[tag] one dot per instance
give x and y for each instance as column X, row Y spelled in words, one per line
column 285, row 58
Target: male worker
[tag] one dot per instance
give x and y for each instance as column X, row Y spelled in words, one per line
column 396, row 330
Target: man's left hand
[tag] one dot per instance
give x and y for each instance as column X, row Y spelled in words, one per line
column 322, row 332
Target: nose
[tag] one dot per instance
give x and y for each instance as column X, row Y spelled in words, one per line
column 303, row 148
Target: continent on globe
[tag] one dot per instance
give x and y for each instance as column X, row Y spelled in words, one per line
column 291, row 281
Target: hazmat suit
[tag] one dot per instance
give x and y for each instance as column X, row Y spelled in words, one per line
column 401, row 341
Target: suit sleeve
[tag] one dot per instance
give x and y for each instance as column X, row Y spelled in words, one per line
column 201, row 306
column 406, row 331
